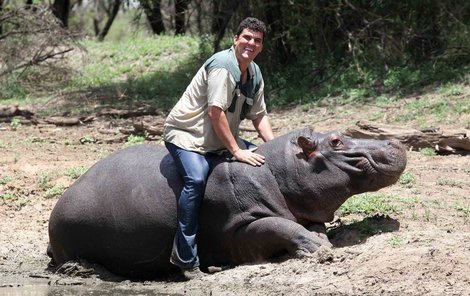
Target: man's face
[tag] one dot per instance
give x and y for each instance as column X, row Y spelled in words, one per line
column 248, row 45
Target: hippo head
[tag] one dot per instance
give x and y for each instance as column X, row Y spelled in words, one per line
column 359, row 164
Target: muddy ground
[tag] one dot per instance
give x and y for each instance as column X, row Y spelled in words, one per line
column 420, row 248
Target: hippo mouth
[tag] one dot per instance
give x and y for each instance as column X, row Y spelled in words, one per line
column 369, row 166
column 387, row 162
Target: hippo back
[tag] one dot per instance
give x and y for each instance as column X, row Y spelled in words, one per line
column 121, row 213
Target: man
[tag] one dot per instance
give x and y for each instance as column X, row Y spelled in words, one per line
column 205, row 122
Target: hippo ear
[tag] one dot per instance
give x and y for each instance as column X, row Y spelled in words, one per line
column 308, row 146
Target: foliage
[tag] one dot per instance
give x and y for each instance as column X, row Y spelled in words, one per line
column 395, row 241
column 407, row 179
column 370, row 203
column 134, row 140
column 76, row 172
column 51, row 190
column 367, row 48
column 7, row 196
column 15, row 123
column 152, row 70
column 54, row 191
column 449, row 182
column 438, row 108
column 5, row 179
column 44, row 182
column 87, row 139
column 32, row 50
column 314, row 50
column 428, row 151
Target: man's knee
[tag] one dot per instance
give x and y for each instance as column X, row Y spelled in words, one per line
column 198, row 183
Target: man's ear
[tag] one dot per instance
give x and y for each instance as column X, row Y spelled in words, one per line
column 308, row 146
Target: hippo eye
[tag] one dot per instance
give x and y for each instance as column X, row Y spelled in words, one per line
column 336, row 143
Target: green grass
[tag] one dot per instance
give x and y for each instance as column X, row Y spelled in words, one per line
column 463, row 211
column 134, row 69
column 154, row 70
column 50, row 190
column 428, row 151
column 5, row 180
column 438, row 109
column 44, row 182
column 33, row 139
column 299, row 84
column 15, row 123
column 75, row 172
column 370, row 203
column 407, row 179
column 375, row 203
column 449, row 182
column 9, row 197
column 87, row 139
column 54, row 191
column 134, row 140
column 395, row 241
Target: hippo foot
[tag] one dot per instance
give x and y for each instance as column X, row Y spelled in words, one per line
column 302, row 254
column 76, row 268
column 323, row 252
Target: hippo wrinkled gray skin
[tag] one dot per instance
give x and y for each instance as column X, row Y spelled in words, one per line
column 122, row 212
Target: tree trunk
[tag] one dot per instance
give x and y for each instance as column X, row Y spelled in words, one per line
column 199, row 17
column 114, row 11
column 1, row 11
column 320, row 35
column 223, row 12
column 154, row 15
column 275, row 21
column 181, row 6
column 61, row 9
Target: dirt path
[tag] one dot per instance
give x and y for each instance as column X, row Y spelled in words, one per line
column 420, row 248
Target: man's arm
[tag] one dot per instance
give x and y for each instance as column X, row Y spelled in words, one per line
column 263, row 126
column 221, row 127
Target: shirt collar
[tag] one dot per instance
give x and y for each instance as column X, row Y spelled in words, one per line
column 251, row 70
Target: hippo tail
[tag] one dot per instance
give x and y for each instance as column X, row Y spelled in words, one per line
column 51, row 255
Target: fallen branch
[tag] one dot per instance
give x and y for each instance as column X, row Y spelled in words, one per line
column 67, row 121
column 445, row 142
column 117, row 113
column 11, row 111
column 154, row 130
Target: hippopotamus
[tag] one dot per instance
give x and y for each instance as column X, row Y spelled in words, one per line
column 121, row 213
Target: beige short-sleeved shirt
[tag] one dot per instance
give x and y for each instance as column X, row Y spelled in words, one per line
column 217, row 83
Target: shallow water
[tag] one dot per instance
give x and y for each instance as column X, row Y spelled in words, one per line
column 36, row 290
column 11, row 286
column 44, row 290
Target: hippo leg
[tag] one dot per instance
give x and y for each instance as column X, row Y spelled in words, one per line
column 318, row 229
column 266, row 237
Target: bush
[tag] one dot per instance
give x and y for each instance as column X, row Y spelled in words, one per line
column 32, row 50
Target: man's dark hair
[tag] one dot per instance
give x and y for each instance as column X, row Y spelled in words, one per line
column 253, row 24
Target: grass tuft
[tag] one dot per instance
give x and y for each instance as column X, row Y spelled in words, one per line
column 370, row 203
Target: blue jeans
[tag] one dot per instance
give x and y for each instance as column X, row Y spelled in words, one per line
column 194, row 169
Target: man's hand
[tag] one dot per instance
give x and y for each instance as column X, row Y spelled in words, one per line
column 249, row 156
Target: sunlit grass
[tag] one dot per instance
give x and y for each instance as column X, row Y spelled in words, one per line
column 370, row 203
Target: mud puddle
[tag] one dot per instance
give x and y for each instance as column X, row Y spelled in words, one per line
column 43, row 287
